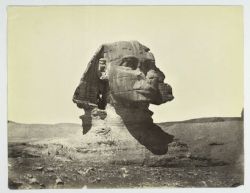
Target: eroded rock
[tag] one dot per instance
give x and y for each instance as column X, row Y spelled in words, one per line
column 59, row 181
column 123, row 76
column 38, row 168
column 33, row 180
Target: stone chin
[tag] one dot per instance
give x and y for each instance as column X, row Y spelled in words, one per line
column 139, row 96
column 133, row 97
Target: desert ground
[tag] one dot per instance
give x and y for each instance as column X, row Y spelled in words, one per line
column 206, row 152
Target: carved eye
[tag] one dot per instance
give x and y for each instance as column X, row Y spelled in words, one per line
column 130, row 62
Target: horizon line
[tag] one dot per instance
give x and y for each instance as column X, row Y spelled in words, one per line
column 31, row 123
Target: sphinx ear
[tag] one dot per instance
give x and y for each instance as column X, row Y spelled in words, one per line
column 87, row 91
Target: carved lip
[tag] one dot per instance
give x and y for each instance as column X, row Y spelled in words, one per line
column 153, row 95
column 143, row 91
column 147, row 93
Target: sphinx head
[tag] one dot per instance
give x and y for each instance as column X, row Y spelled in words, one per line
column 125, row 75
column 122, row 73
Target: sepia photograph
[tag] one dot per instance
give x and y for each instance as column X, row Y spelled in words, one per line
column 125, row 96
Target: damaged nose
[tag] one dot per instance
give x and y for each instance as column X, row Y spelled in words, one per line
column 152, row 74
column 140, row 75
column 156, row 75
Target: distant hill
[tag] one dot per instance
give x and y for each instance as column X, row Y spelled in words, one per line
column 196, row 120
column 41, row 131
column 202, row 120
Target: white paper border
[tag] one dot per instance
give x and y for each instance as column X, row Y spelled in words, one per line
column 3, row 88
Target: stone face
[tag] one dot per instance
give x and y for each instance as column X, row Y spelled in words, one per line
column 123, row 73
column 124, row 76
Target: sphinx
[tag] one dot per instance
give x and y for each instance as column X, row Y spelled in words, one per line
column 122, row 79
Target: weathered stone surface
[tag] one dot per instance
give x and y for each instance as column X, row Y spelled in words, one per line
column 33, row 181
column 123, row 75
column 59, row 181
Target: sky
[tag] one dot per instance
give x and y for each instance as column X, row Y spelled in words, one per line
column 199, row 49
